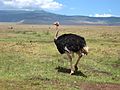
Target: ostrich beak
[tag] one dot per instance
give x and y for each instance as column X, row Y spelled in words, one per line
column 85, row 50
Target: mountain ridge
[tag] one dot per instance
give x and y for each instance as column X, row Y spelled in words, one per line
column 44, row 17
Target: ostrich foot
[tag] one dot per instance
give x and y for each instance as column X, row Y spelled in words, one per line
column 72, row 72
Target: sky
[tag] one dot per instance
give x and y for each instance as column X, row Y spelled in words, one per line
column 93, row 8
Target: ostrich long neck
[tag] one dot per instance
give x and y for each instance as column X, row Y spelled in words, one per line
column 56, row 35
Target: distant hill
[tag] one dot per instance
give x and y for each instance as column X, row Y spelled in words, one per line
column 43, row 17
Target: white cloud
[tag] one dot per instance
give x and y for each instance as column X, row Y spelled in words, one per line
column 103, row 15
column 34, row 4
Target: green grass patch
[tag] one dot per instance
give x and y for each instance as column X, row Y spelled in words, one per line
column 30, row 60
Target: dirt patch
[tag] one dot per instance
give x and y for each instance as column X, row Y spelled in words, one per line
column 82, row 85
column 88, row 86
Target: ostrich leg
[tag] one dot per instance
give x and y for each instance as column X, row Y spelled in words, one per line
column 71, row 65
column 79, row 56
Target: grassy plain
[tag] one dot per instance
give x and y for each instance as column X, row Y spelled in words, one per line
column 29, row 59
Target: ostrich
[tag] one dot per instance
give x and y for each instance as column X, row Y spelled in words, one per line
column 70, row 44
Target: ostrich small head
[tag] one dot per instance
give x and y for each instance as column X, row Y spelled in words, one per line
column 85, row 50
column 57, row 24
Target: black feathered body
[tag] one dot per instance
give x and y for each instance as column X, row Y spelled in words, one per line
column 72, row 42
